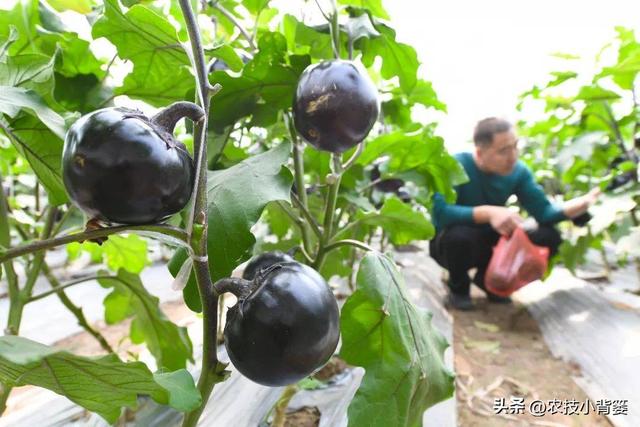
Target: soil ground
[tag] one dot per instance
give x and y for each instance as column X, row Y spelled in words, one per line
column 500, row 353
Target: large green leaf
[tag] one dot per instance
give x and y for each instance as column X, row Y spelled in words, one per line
column 398, row 59
column 160, row 64
column 400, row 222
column 169, row 344
column 419, row 150
column 395, row 342
column 15, row 99
column 23, row 17
column 32, row 71
column 43, row 150
column 267, row 85
column 128, row 252
column 7, row 40
column 100, row 384
column 80, row 6
column 236, row 198
column 374, row 6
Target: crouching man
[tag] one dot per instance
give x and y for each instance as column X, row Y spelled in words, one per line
column 468, row 229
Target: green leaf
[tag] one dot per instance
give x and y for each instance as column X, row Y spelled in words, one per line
column 374, row 6
column 100, row 384
column 596, row 93
column 398, row 59
column 265, row 86
column 129, row 253
column 423, row 93
column 183, row 394
column 401, row 223
column 395, row 342
column 255, row 6
column 237, row 196
column 24, row 17
column 31, row 71
column 169, row 344
column 227, row 54
column 80, row 6
column 82, row 92
column 303, row 39
column 43, row 150
column 421, row 151
column 11, row 37
column 15, row 99
column 160, row 64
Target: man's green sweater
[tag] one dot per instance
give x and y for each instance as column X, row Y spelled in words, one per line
column 491, row 189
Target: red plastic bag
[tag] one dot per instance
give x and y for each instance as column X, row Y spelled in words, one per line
column 515, row 263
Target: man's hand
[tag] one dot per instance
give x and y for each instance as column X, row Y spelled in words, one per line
column 579, row 205
column 502, row 219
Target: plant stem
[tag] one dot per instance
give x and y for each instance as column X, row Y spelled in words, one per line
column 335, row 30
column 75, row 310
column 12, row 280
column 235, row 22
column 356, row 243
column 5, row 242
column 305, row 212
column 41, row 245
column 330, row 208
column 280, row 409
column 17, row 304
column 298, row 166
column 61, row 287
column 212, row 371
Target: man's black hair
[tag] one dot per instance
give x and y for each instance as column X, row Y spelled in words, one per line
column 487, row 128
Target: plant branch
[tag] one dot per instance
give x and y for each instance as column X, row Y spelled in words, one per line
column 354, row 157
column 356, row 243
column 324, row 14
column 68, row 285
column 298, row 165
column 74, row 309
column 305, row 212
column 38, row 259
column 330, row 207
column 212, row 370
column 335, row 30
column 41, row 245
column 235, row 22
column 20, row 298
column 616, row 129
column 5, row 242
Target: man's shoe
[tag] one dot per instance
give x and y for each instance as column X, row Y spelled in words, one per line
column 460, row 302
column 497, row 299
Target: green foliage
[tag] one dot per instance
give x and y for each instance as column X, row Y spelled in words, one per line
column 49, row 74
column 397, row 345
column 237, row 197
column 586, row 138
column 401, row 223
column 169, row 344
column 160, row 64
column 99, row 384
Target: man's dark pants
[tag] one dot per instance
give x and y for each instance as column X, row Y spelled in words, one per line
column 461, row 247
